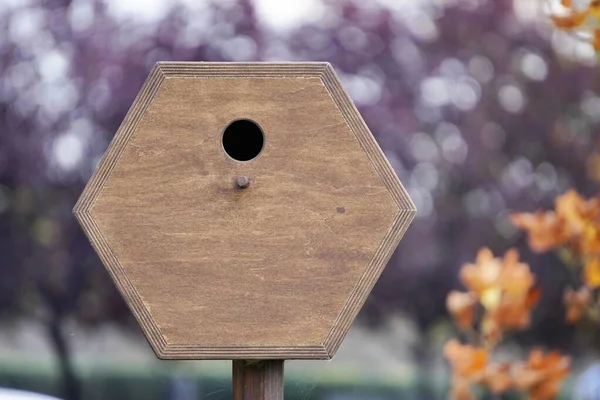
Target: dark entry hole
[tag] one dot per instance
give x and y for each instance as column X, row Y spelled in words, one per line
column 243, row 140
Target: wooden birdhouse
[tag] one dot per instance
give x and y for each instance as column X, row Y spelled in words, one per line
column 244, row 211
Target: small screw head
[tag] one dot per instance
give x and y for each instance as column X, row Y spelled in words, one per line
column 242, row 182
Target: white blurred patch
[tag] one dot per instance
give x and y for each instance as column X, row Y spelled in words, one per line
column 587, row 386
column 511, row 98
column 56, row 98
column 528, row 10
column 364, row 90
column 423, row 148
column 481, row 68
column 20, row 75
column 353, row 38
column 517, row 175
column 68, row 148
column 287, row 15
column 454, row 148
column 585, row 53
column 26, row 23
column 424, row 175
column 452, row 68
column 534, row 66
column 140, row 10
column 574, row 48
column 422, row 27
column 81, row 15
column 423, row 201
column 590, row 105
column 435, row 91
column 239, row 48
column 53, row 65
column 465, row 93
column 11, row 394
column 13, row 4
column 68, row 151
column 407, row 55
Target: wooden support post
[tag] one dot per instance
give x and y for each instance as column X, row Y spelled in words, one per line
column 258, row 380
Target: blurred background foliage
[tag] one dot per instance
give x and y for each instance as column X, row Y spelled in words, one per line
column 481, row 107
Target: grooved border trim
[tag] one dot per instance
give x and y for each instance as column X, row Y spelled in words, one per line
column 128, row 129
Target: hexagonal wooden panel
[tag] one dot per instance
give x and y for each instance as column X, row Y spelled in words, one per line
column 278, row 270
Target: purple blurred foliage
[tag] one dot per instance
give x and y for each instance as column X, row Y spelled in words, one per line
column 474, row 106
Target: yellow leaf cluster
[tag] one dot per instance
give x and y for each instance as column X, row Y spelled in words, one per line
column 573, row 228
column 503, row 287
column 574, row 222
column 540, row 376
column 581, row 20
column 501, row 292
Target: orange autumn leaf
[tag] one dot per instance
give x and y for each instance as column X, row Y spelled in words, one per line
column 462, row 307
column 576, row 211
column 542, row 375
column 575, row 221
column 581, row 220
column 491, row 278
column 594, row 9
column 515, row 278
column 467, row 362
column 505, row 289
column 571, row 21
column 514, row 312
column 545, row 230
column 498, row 378
column 460, row 390
column 596, row 40
column 576, row 302
column 482, row 275
column 533, row 297
column 589, row 242
column 468, row 365
column 591, row 273
column 518, row 294
column 582, row 19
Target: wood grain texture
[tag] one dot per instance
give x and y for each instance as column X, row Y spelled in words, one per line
column 261, row 380
column 275, row 271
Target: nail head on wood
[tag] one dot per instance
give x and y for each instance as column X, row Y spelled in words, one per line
column 242, row 182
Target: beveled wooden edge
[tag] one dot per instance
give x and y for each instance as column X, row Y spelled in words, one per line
column 406, row 211
column 84, row 205
column 171, row 352
column 127, row 130
column 242, row 70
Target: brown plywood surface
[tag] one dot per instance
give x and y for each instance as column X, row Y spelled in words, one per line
column 277, row 270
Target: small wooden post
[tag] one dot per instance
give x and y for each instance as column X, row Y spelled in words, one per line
column 257, row 380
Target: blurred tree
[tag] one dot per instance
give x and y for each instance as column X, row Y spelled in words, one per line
column 482, row 109
column 69, row 71
column 478, row 115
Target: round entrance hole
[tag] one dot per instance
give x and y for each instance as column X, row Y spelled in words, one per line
column 243, row 140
